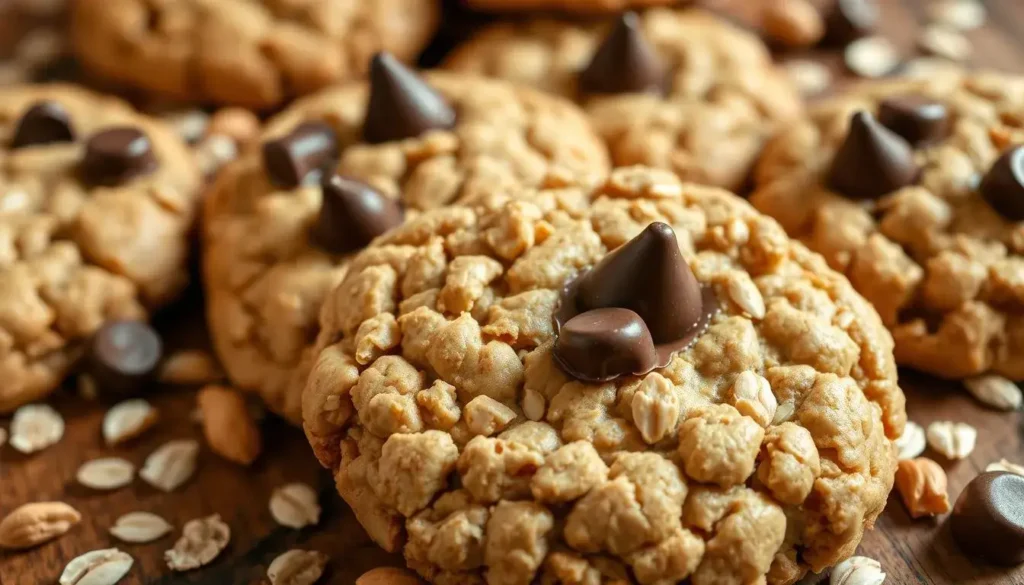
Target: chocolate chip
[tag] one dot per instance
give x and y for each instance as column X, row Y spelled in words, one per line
column 45, row 122
column 624, row 63
column 401, row 105
column 117, row 155
column 1003, row 184
column 848, row 20
column 918, row 119
column 873, row 161
column 988, row 518
column 352, row 214
column 301, row 155
column 602, row 344
column 122, row 357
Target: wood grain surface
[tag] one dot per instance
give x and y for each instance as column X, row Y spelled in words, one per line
column 917, row 552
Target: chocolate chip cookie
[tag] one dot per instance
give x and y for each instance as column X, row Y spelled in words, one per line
column 631, row 381
column 343, row 166
column 96, row 206
column 914, row 190
column 240, row 52
column 675, row 89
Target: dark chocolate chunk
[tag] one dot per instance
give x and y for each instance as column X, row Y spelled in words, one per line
column 45, row 122
column 1003, row 184
column 401, row 105
column 117, row 155
column 848, row 20
column 988, row 518
column 872, row 161
column 122, row 357
column 301, row 155
column 919, row 120
column 624, row 63
column 352, row 214
column 603, row 344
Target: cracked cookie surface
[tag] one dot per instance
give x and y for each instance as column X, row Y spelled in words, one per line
column 724, row 96
column 254, row 53
column 266, row 279
column 760, row 452
column 79, row 246
column 942, row 266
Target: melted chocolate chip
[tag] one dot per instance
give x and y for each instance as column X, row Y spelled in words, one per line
column 45, row 122
column 919, row 120
column 1003, row 184
column 604, row 344
column 624, row 63
column 352, row 214
column 123, row 357
column 873, row 161
column 117, row 155
column 401, row 105
column 988, row 518
column 301, row 155
column 848, row 20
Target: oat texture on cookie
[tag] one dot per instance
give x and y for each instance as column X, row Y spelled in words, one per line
column 913, row 189
column 678, row 89
column 341, row 167
column 240, row 52
column 96, row 206
column 441, row 400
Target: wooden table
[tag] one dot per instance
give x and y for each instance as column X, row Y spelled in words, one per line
column 912, row 552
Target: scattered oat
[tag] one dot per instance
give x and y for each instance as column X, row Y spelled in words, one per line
column 106, row 473
column 33, row 524
column 228, row 425
column 297, row 567
column 295, row 505
column 871, row 56
column 170, row 465
column 953, row 440
column 201, row 541
column 388, row 576
column 127, row 420
column 1004, row 465
column 35, row 427
column 995, row 391
column 958, row 14
column 921, row 483
column 858, row 571
column 810, row 77
column 98, row 567
column 140, row 527
column 191, row 366
column 944, row 42
column 912, row 442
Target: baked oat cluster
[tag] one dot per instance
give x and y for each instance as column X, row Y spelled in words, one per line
column 441, row 403
column 674, row 89
column 96, row 205
column 243, row 52
column 912, row 189
column 275, row 245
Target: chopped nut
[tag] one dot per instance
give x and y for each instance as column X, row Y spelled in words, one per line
column 295, row 505
column 871, row 56
column 954, row 440
column 106, row 473
column 944, row 42
column 190, row 366
column 810, row 77
column 911, row 443
column 655, row 408
column 127, row 420
column 753, row 397
column 297, row 567
column 744, row 293
column 533, row 404
column 140, row 527
column 793, row 23
column 228, row 425
column 858, row 571
column 1004, row 465
column 33, row 524
column 958, row 14
column 922, row 485
column 388, row 576
column 170, row 465
column 35, row 427
column 98, row 567
column 995, row 391
column 201, row 541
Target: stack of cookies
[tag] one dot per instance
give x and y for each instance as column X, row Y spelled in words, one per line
column 600, row 299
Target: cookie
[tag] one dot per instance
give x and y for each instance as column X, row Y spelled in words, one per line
column 912, row 189
column 569, row 6
column 279, row 232
column 674, row 89
column 96, row 207
column 240, row 52
column 628, row 381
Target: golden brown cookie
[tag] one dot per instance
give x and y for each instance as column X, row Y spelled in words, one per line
column 279, row 233
column 912, row 189
column 632, row 380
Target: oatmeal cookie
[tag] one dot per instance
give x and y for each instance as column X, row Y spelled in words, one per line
column 279, row 232
column 913, row 189
column 96, row 205
column 256, row 54
column 632, row 380
column 675, row 89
